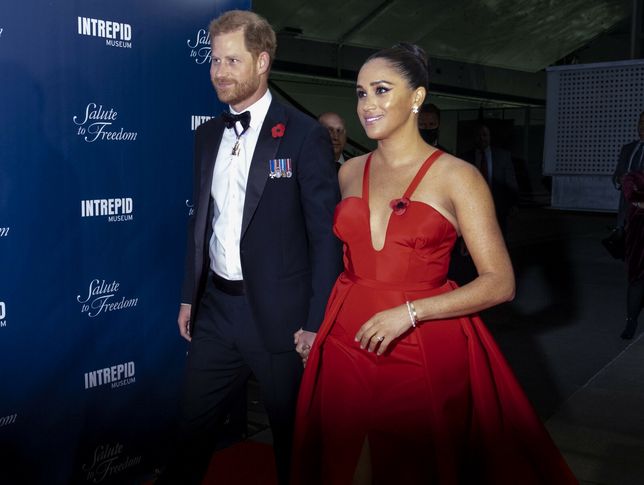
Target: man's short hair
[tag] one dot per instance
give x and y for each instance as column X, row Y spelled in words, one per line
column 259, row 36
column 331, row 113
column 431, row 108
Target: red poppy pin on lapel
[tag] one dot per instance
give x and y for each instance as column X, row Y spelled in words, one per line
column 278, row 130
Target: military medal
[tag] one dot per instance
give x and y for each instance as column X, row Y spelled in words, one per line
column 280, row 168
column 274, row 169
column 236, row 147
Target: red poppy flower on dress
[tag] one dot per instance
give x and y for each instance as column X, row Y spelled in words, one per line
column 278, row 130
column 399, row 206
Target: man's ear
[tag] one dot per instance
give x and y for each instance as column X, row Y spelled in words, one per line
column 263, row 62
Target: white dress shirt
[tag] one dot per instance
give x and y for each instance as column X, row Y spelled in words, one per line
column 229, row 191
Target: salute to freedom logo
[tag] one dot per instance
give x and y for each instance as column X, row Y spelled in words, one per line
column 3, row 314
column 96, row 124
column 7, row 420
column 101, row 298
column 109, row 460
column 200, row 47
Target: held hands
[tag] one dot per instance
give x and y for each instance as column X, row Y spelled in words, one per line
column 383, row 328
column 303, row 341
column 183, row 320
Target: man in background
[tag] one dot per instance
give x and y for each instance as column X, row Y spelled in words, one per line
column 429, row 123
column 334, row 123
column 631, row 159
column 495, row 164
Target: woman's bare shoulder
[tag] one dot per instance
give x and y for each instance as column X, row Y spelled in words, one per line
column 354, row 162
column 454, row 170
column 351, row 169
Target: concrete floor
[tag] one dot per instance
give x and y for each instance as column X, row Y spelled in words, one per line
column 561, row 336
column 591, row 390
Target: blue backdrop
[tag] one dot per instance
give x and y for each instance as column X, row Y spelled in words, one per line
column 98, row 105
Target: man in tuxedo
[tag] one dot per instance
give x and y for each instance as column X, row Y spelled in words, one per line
column 497, row 168
column 261, row 255
column 334, row 123
column 631, row 159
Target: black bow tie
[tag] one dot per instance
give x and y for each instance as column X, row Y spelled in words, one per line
column 230, row 119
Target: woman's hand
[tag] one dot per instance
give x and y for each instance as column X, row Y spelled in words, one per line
column 383, row 328
column 303, row 341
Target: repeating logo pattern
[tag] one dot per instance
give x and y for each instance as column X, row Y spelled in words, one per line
column 200, row 46
column 197, row 120
column 8, row 420
column 101, row 298
column 108, row 461
column 115, row 210
column 116, row 34
column 97, row 124
column 116, row 376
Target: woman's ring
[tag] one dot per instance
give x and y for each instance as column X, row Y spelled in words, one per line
column 380, row 339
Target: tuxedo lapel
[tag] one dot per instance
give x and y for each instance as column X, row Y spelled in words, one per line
column 211, row 143
column 265, row 150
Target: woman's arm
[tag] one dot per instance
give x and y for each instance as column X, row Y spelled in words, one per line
column 473, row 207
column 474, row 211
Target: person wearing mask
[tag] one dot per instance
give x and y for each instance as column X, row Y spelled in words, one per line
column 429, row 123
column 334, row 123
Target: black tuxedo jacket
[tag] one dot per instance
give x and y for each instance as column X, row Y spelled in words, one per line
column 625, row 154
column 289, row 255
column 504, row 187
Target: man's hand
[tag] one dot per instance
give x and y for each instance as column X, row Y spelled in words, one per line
column 303, row 341
column 183, row 320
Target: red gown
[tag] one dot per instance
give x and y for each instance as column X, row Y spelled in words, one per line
column 441, row 406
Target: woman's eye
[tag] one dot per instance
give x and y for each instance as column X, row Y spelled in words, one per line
column 381, row 90
column 360, row 93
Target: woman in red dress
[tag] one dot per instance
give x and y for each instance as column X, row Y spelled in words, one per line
column 404, row 384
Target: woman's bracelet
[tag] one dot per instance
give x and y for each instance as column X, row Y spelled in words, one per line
column 413, row 316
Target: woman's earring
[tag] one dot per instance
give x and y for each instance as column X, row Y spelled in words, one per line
column 415, row 110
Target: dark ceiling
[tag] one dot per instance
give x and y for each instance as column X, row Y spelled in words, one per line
column 524, row 35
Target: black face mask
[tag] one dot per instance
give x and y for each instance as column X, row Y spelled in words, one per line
column 430, row 135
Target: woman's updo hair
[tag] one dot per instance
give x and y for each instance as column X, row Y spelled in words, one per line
column 409, row 60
